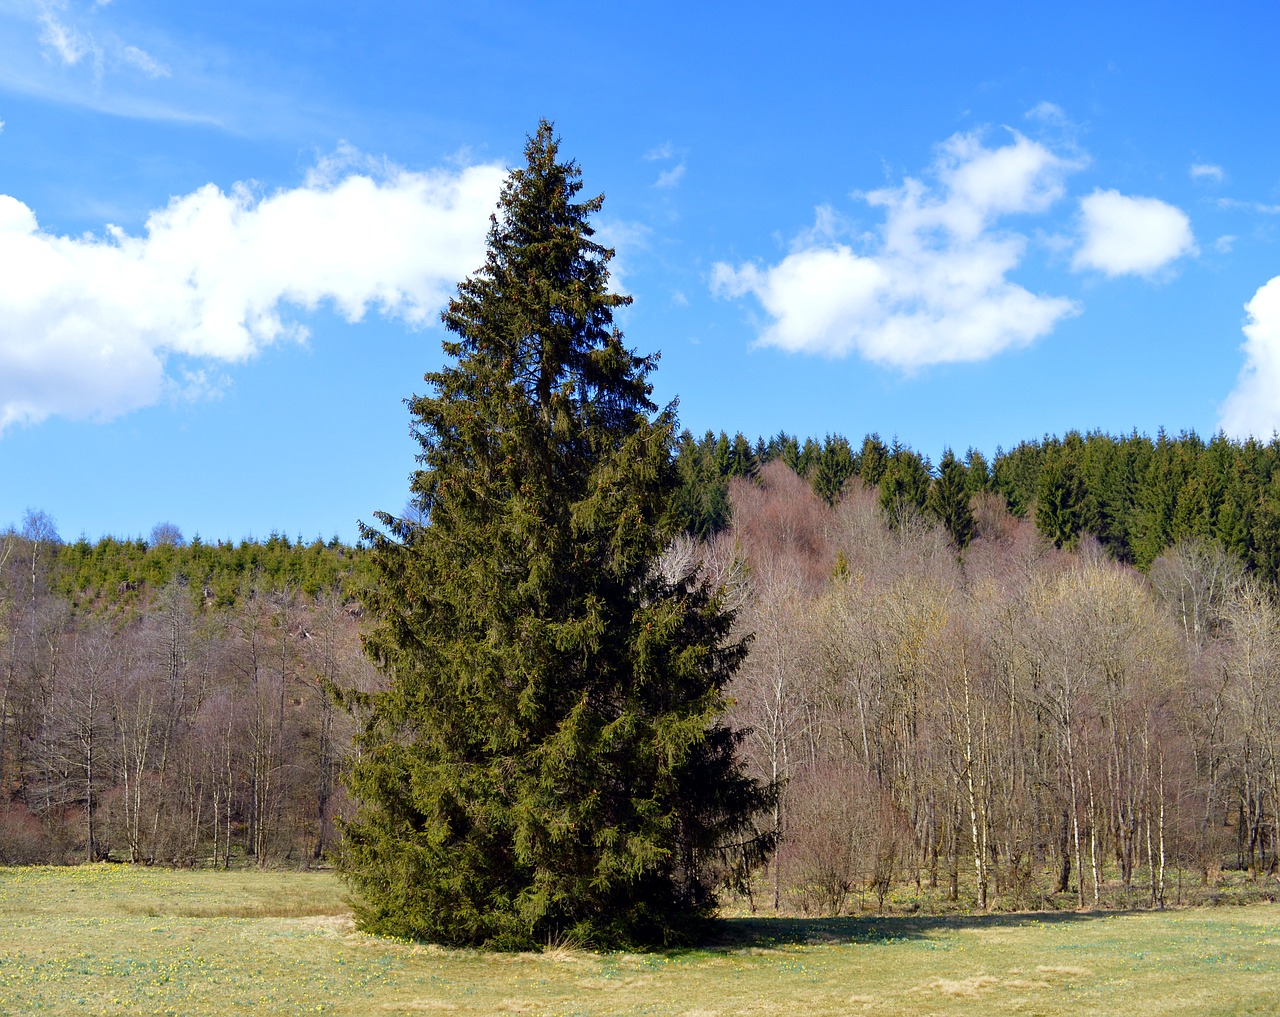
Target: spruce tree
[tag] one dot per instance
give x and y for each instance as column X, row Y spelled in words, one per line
column 548, row 761
column 948, row 499
column 1060, row 501
column 904, row 485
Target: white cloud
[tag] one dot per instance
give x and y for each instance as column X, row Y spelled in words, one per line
column 1207, row 171
column 1225, row 243
column 1253, row 407
column 89, row 324
column 933, row 286
column 1121, row 235
column 664, row 151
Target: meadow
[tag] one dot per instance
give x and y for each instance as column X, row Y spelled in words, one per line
column 116, row 939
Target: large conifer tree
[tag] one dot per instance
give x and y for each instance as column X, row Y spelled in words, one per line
column 548, row 761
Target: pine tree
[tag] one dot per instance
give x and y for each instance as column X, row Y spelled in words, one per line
column 549, row 760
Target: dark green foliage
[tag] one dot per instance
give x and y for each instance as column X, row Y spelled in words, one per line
column 948, row 499
column 977, row 472
column 700, row 506
column 835, row 465
column 548, row 761
column 873, row 460
column 904, row 486
column 1140, row 496
column 785, row 447
column 1016, row 475
column 1060, row 502
column 111, row 571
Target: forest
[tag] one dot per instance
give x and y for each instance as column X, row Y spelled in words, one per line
column 1050, row 673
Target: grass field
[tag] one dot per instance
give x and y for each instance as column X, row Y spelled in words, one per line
column 111, row 939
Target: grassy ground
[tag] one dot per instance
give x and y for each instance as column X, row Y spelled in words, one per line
column 110, row 939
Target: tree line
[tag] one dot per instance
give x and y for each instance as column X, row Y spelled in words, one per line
column 1052, row 673
column 167, row 701
column 1136, row 495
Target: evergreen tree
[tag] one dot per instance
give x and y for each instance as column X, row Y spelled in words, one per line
column 1016, row 475
column 700, row 505
column 948, row 499
column 904, row 487
column 549, row 759
column 783, row 446
column 836, row 464
column 1060, row 502
column 873, row 460
column 743, row 459
column 977, row 472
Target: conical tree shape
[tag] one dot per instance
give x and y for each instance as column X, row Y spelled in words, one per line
column 948, row 499
column 548, row 761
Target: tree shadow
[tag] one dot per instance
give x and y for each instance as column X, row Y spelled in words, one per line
column 758, row 932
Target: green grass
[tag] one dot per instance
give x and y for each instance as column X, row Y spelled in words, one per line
column 111, row 939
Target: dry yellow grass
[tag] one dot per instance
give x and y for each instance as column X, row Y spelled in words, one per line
column 118, row 940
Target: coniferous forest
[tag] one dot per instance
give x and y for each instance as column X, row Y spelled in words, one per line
column 1052, row 672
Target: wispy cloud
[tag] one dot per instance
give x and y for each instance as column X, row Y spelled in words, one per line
column 625, row 238
column 1048, row 112
column 667, row 152
column 65, row 37
column 1124, row 235
column 1235, row 204
column 89, row 325
column 1207, row 171
column 144, row 62
column 670, row 177
column 60, row 38
column 74, row 52
column 933, row 284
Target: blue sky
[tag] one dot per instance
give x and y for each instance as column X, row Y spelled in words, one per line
column 226, row 231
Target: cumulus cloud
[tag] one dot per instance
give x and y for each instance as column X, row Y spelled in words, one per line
column 95, row 326
column 932, row 285
column 1207, row 171
column 1123, row 235
column 1253, row 407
